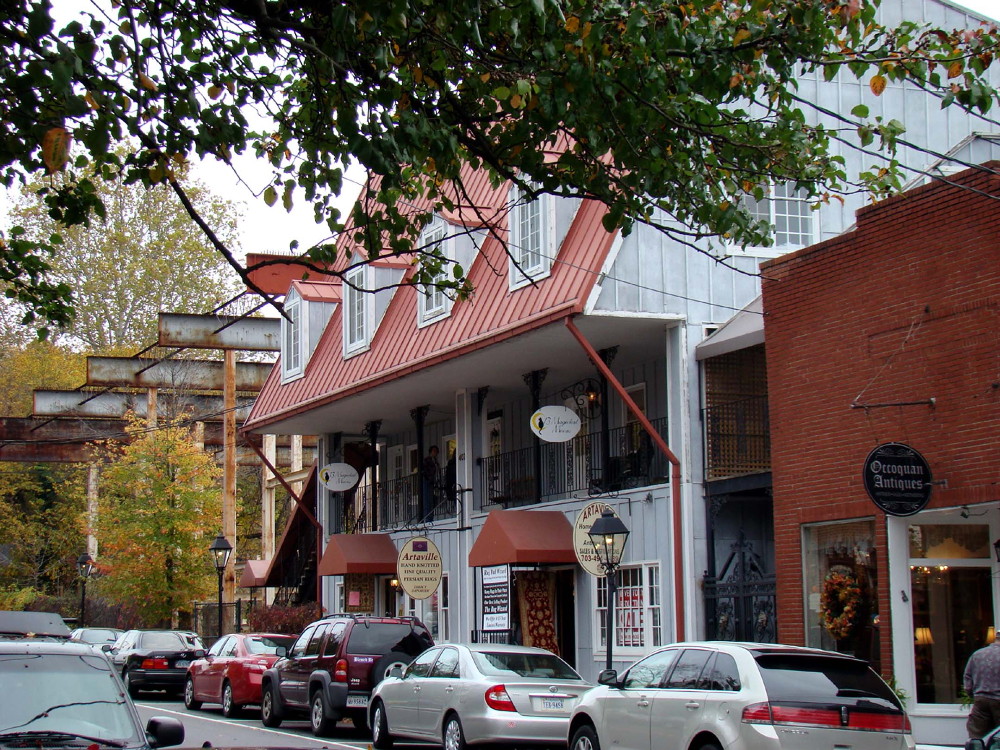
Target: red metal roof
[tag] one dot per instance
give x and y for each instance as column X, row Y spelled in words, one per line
column 400, row 346
column 318, row 291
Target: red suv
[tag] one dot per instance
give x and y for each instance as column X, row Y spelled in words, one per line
column 330, row 671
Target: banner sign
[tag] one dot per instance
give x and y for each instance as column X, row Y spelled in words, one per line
column 359, row 591
column 555, row 424
column 339, row 477
column 897, row 479
column 496, row 597
column 419, row 567
column 582, row 546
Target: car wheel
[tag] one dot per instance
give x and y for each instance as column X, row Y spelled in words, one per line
column 189, row 700
column 453, row 736
column 269, row 708
column 585, row 738
column 131, row 689
column 321, row 724
column 381, row 739
column 229, row 709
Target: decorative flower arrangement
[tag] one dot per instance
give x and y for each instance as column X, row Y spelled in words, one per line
column 839, row 604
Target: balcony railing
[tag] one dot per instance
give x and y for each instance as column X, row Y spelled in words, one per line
column 398, row 504
column 553, row 470
column 737, row 439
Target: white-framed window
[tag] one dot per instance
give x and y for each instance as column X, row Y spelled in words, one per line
column 532, row 237
column 435, row 614
column 789, row 212
column 292, row 336
column 638, row 613
column 357, row 311
column 432, row 302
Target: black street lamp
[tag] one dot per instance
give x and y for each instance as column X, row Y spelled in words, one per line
column 608, row 535
column 221, row 549
column 85, row 566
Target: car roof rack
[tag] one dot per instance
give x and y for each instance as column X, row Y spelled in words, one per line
column 359, row 616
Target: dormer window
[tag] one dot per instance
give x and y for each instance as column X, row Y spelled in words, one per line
column 357, row 317
column 531, row 242
column 432, row 302
column 291, row 338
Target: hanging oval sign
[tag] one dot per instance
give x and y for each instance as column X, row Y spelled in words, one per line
column 897, row 479
column 419, row 567
column 339, row 477
column 586, row 555
column 555, row 424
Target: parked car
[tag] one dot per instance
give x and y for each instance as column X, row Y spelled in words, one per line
column 155, row 659
column 709, row 696
column 96, row 636
column 459, row 695
column 231, row 671
column 330, row 671
column 63, row 693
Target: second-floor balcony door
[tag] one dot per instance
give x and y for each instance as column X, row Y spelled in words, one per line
column 579, row 456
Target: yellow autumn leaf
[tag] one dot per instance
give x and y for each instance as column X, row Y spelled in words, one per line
column 231, row 87
column 572, row 24
column 147, row 83
column 741, row 35
column 877, row 85
column 214, row 92
column 955, row 69
column 89, row 98
column 55, row 148
column 515, row 101
column 485, row 77
column 418, row 75
column 735, row 81
column 586, row 30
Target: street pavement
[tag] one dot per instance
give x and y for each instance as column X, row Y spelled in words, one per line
column 209, row 725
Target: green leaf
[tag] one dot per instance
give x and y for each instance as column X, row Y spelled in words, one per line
column 860, row 111
column 270, row 195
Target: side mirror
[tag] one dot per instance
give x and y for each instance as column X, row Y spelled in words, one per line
column 199, row 653
column 280, row 651
column 106, row 648
column 396, row 672
column 608, row 677
column 975, row 744
column 164, row 731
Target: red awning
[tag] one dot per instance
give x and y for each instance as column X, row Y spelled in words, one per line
column 359, row 553
column 523, row 537
column 254, row 574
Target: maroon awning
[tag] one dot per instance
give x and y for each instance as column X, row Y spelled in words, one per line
column 523, row 537
column 254, row 574
column 358, row 553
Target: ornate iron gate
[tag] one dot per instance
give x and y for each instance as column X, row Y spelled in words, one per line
column 740, row 602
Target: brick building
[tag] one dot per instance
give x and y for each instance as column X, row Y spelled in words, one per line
column 889, row 334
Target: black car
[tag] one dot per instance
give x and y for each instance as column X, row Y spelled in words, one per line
column 155, row 659
column 59, row 693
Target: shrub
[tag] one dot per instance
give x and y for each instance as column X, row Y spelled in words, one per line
column 278, row 619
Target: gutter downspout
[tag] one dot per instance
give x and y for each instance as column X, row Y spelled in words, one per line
column 675, row 478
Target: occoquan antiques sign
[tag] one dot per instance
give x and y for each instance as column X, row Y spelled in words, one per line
column 897, row 479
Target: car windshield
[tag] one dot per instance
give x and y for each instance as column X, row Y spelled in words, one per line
column 814, row 678
column 74, row 693
column 268, row 646
column 163, row 642
column 97, row 636
column 523, row 664
column 383, row 637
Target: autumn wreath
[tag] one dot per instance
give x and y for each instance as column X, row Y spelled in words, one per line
column 839, row 604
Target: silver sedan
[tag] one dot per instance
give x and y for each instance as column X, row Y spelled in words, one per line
column 458, row 695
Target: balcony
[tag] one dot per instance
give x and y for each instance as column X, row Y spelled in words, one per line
column 551, row 471
column 737, row 439
column 398, row 505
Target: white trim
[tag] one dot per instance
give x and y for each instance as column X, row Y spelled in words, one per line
column 547, row 250
column 609, row 263
column 634, row 388
column 447, row 245
column 294, row 302
column 668, row 317
column 359, row 277
column 776, row 251
column 628, row 653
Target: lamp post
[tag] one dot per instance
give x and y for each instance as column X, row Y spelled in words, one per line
column 608, row 535
column 85, row 566
column 221, row 549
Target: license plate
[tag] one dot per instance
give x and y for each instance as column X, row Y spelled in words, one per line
column 357, row 701
column 182, row 663
column 552, row 704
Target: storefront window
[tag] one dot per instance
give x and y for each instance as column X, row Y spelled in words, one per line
column 952, row 604
column 637, row 608
column 841, row 584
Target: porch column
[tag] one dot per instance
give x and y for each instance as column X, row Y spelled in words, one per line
column 418, row 416
column 607, row 356
column 267, row 492
column 335, row 511
column 371, row 430
column 534, row 380
column 92, row 474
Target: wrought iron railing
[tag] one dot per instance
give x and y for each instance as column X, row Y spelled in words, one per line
column 398, row 504
column 737, row 438
column 492, row 636
column 581, row 465
column 741, row 602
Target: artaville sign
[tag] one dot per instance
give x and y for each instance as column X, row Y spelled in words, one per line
column 897, row 479
column 418, row 567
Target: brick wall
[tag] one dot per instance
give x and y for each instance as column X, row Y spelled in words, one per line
column 905, row 308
